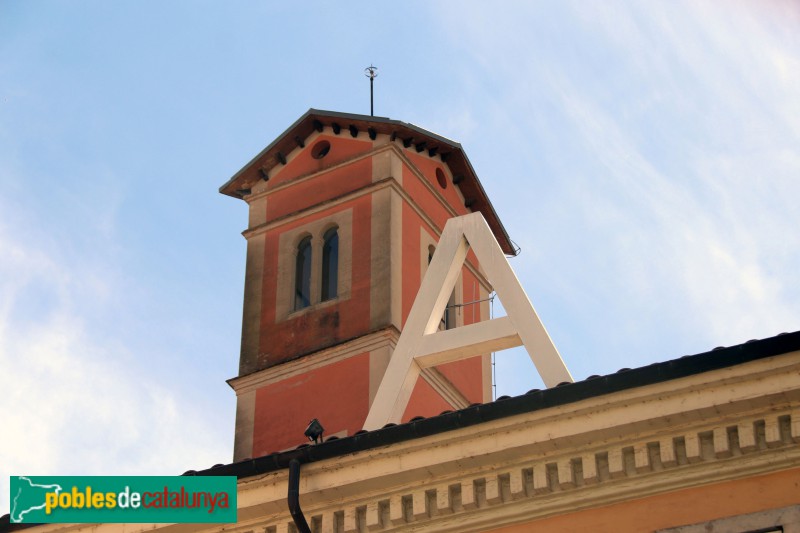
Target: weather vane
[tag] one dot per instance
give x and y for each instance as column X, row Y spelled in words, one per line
column 371, row 72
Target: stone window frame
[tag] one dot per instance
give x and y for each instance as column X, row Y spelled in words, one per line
column 287, row 258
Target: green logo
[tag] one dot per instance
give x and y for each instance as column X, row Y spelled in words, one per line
column 131, row 499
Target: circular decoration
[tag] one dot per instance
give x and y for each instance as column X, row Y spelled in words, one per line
column 441, row 178
column 320, row 149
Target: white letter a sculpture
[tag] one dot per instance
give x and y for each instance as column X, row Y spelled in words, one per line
column 421, row 345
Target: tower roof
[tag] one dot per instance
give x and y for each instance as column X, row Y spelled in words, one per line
column 451, row 152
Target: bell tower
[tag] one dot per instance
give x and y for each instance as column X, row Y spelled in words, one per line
column 345, row 212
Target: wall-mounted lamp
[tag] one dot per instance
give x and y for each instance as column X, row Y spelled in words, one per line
column 314, row 431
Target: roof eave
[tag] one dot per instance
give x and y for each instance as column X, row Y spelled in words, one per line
column 303, row 126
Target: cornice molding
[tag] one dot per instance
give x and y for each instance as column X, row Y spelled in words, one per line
column 387, row 183
column 308, row 176
column 302, row 365
column 733, row 423
column 536, row 487
column 562, row 459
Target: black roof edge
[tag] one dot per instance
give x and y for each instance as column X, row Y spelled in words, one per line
column 267, row 149
column 533, row 401
column 349, row 116
column 685, row 366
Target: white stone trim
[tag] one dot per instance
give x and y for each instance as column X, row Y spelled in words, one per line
column 314, row 173
column 381, row 168
column 534, row 487
column 287, row 253
column 302, row 365
column 369, row 189
column 541, row 463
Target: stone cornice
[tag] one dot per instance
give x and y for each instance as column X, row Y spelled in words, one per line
column 302, row 365
column 716, row 426
column 390, row 183
column 308, row 176
column 731, row 423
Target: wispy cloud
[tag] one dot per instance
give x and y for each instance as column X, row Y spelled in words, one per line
column 75, row 402
column 662, row 166
column 645, row 157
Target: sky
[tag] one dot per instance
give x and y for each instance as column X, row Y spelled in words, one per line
column 644, row 156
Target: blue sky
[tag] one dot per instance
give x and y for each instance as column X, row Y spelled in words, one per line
column 645, row 156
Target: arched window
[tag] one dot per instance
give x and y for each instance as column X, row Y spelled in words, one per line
column 330, row 264
column 302, row 275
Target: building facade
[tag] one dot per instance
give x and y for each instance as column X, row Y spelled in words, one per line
column 345, row 214
column 702, row 443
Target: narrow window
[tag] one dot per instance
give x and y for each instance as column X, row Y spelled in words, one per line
column 449, row 316
column 330, row 264
column 302, row 275
column 448, row 320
